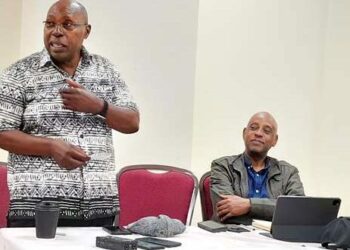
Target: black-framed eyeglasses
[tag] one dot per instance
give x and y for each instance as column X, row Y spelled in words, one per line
column 67, row 26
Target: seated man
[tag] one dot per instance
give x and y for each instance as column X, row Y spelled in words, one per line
column 246, row 186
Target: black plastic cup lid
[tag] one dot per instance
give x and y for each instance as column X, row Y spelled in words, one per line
column 47, row 205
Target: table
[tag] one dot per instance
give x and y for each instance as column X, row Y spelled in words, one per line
column 79, row 238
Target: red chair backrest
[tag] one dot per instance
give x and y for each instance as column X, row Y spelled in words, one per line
column 144, row 193
column 4, row 196
column 204, row 189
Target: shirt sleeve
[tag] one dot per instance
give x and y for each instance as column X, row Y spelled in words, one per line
column 121, row 96
column 220, row 184
column 11, row 101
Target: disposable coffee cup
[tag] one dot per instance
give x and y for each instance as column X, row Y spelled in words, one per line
column 46, row 218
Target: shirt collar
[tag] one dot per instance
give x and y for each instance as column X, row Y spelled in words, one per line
column 45, row 58
column 248, row 161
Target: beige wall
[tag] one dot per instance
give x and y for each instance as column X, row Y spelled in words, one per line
column 199, row 70
column 10, row 29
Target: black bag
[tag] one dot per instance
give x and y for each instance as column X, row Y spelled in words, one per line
column 337, row 234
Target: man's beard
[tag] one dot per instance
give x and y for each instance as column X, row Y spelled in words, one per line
column 256, row 156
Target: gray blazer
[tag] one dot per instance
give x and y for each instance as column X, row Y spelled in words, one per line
column 229, row 176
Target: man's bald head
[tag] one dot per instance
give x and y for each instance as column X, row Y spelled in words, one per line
column 66, row 28
column 266, row 116
column 260, row 135
column 72, row 7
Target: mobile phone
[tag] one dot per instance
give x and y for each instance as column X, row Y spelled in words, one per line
column 237, row 229
column 161, row 242
column 116, row 230
column 147, row 245
column 212, row 226
column 115, row 243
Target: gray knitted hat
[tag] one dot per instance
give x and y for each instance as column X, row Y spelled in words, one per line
column 161, row 226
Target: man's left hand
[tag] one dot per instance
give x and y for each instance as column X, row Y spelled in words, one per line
column 232, row 205
column 77, row 98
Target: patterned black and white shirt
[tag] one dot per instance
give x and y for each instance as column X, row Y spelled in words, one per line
column 30, row 102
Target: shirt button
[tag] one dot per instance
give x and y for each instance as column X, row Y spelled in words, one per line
column 257, row 191
column 81, row 136
column 257, row 175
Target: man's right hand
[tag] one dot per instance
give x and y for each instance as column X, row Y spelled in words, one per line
column 67, row 155
column 232, row 205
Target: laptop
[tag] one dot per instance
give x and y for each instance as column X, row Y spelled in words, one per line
column 302, row 218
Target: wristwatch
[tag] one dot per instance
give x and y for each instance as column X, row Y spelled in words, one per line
column 103, row 112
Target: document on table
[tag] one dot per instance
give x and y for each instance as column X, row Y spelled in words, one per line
column 262, row 224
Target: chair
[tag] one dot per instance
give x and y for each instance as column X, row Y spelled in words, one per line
column 151, row 190
column 4, row 195
column 204, row 191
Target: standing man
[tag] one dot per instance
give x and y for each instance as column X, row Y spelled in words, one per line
column 57, row 111
column 246, row 186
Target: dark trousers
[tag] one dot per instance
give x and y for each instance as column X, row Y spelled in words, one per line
column 64, row 222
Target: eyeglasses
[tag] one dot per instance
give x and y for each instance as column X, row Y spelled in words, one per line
column 64, row 26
